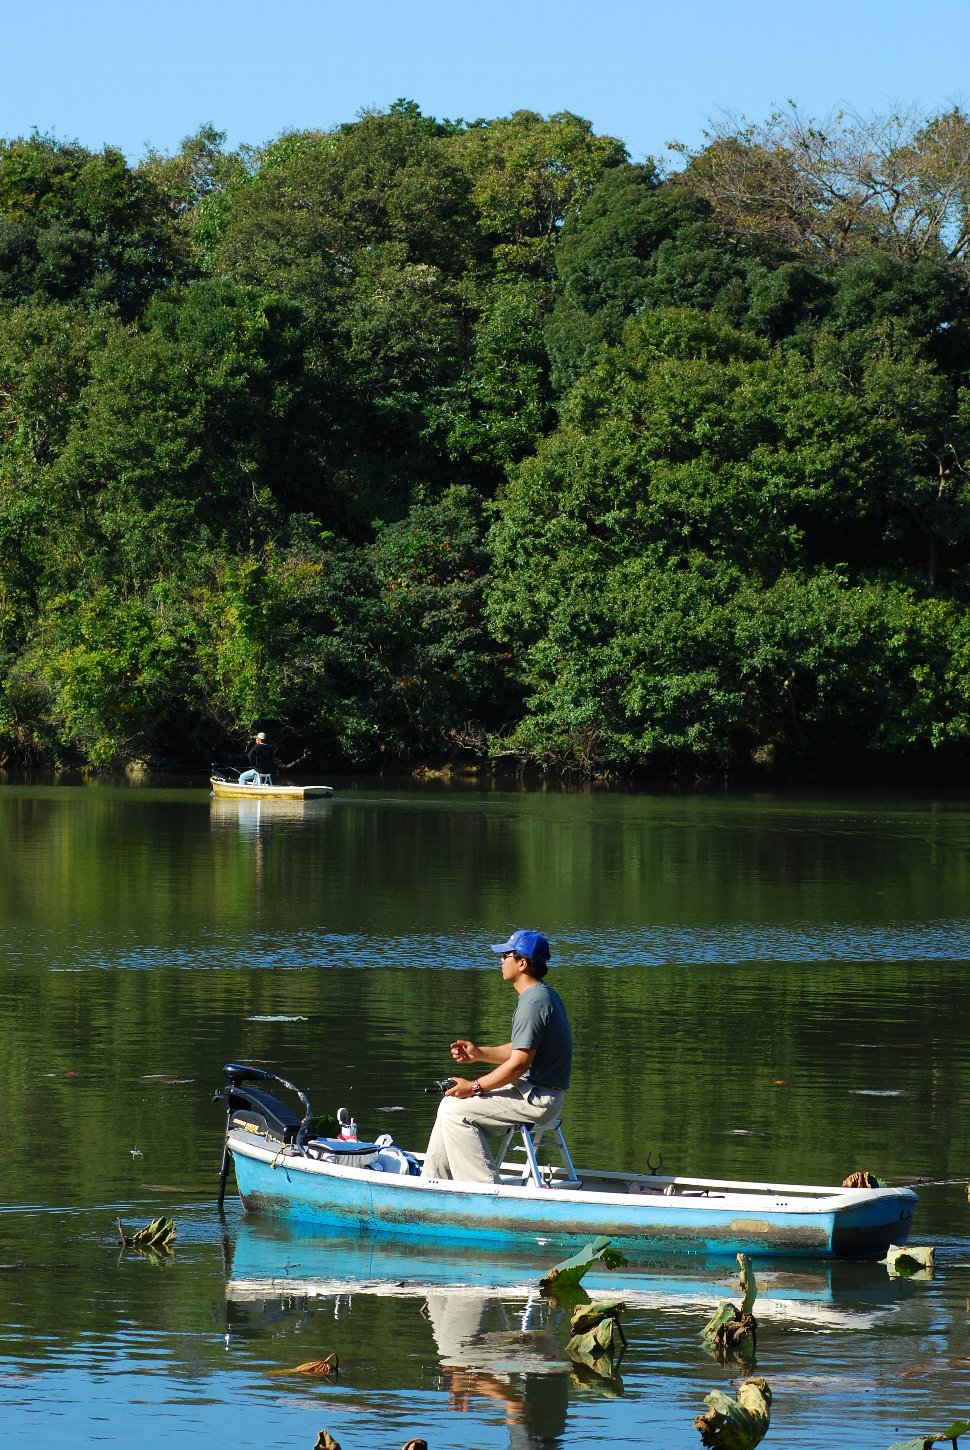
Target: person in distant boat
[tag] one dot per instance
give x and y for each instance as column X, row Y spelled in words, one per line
column 527, row 1078
column 261, row 760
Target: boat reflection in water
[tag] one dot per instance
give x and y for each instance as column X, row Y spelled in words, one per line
column 271, row 1258
column 272, row 1261
column 496, row 1338
column 493, row 1345
column 248, row 816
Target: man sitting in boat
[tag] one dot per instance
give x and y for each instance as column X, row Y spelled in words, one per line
column 529, row 1074
column 262, row 760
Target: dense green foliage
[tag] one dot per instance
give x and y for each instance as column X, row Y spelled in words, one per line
column 417, row 441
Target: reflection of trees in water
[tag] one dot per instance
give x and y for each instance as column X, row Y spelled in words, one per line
column 512, row 1355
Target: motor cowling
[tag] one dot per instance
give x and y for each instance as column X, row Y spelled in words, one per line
column 255, row 1106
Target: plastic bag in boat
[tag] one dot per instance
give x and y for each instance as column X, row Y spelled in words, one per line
column 391, row 1159
column 395, row 1160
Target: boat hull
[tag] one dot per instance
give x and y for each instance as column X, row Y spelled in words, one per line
column 232, row 790
column 785, row 1222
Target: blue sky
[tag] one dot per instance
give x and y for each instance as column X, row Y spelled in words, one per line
column 135, row 74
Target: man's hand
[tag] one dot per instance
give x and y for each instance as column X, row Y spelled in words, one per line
column 462, row 1088
column 464, row 1051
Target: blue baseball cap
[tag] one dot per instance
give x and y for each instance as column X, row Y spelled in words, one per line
column 528, row 943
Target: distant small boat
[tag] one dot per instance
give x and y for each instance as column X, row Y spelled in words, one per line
column 283, row 1171
column 232, row 790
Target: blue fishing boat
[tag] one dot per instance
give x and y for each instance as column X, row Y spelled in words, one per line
column 351, row 1187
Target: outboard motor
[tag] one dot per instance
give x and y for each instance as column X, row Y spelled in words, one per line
column 255, row 1108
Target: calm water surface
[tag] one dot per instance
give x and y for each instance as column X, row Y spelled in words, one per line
column 760, row 986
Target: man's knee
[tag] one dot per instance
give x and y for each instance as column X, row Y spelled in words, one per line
column 450, row 1110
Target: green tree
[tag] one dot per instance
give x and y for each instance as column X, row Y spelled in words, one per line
column 371, row 652
column 174, row 447
column 80, row 225
column 368, row 231
column 529, row 174
column 103, row 678
column 694, row 470
column 633, row 223
column 501, row 405
column 441, row 665
column 47, row 353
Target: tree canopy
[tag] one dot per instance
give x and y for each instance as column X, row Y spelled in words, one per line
column 419, row 440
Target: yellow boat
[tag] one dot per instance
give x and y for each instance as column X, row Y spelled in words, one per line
column 232, row 790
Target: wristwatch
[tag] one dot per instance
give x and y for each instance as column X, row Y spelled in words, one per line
column 477, row 1089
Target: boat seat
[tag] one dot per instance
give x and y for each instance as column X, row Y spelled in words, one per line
column 544, row 1175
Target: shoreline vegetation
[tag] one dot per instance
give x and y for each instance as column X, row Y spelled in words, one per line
column 864, row 776
column 476, row 447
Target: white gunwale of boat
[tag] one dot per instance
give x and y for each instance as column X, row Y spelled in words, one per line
column 732, row 1193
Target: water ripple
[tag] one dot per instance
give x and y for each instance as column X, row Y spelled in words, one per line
column 649, row 946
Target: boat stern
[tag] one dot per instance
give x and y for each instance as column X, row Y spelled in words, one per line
column 878, row 1219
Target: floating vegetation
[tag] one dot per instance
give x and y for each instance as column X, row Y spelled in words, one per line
column 732, row 1332
column 738, row 1424
column 155, row 1238
column 318, row 1368
column 597, row 1340
column 923, row 1442
column 565, row 1277
column 910, row 1262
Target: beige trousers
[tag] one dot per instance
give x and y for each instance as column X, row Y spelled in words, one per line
column 458, row 1147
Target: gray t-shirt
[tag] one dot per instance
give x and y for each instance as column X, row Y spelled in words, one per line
column 540, row 1023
